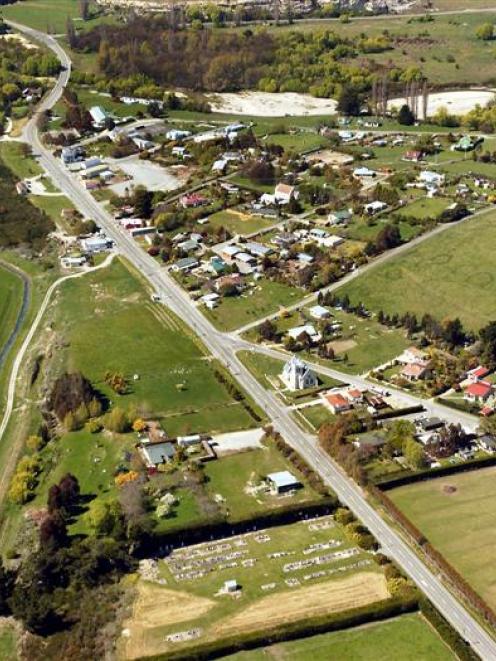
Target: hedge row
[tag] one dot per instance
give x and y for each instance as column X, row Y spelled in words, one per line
column 388, row 483
column 457, row 581
column 396, row 413
column 450, row 636
column 462, row 406
column 376, row 612
column 220, row 528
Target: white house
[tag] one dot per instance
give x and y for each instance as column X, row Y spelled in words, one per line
column 364, row 172
column 176, row 134
column 283, row 194
column 319, row 312
column 430, row 178
column 309, row 329
column 375, row 207
column 298, row 376
column 98, row 116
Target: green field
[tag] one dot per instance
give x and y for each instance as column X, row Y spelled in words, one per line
column 426, row 207
column 49, row 15
column 263, row 299
column 14, row 157
column 11, row 288
column 186, row 602
column 409, row 638
column 449, row 275
column 297, row 142
column 8, row 643
column 459, row 524
column 239, row 223
column 109, row 323
column 53, row 205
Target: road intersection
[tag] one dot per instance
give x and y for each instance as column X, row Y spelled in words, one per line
column 224, row 348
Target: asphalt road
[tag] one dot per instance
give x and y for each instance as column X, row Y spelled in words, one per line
column 224, row 347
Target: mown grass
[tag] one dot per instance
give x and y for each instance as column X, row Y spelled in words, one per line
column 14, row 156
column 51, row 15
column 109, row 323
column 449, row 275
column 459, row 523
column 265, row 298
column 239, row 224
column 409, row 638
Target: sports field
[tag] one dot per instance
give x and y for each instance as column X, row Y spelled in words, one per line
column 409, row 638
column 11, row 289
column 457, row 515
column 450, row 275
column 108, row 323
column 263, row 564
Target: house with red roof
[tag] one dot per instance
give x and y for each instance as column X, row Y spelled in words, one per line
column 355, row 396
column 193, row 200
column 416, row 371
column 337, row 403
column 479, row 392
column 477, row 374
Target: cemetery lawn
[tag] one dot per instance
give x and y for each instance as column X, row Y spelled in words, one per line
column 182, row 605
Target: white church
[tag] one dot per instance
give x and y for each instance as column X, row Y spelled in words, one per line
column 296, row 375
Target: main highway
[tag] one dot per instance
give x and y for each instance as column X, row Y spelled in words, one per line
column 224, row 348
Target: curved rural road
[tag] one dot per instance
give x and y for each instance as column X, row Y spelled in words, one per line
column 224, row 348
column 26, row 291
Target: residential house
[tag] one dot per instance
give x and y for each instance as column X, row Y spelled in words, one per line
column 309, row 329
column 414, row 356
column 413, row 156
column 487, row 443
column 430, row 178
column 72, row 154
column 364, row 173
column 283, row 194
column 229, row 252
column 257, row 249
column 416, row 371
column 176, row 134
column 355, row 396
column 193, row 200
column 374, row 207
column 479, row 392
column 99, row 116
column 477, row 374
column 219, row 166
column 234, row 280
column 298, row 376
column 185, row 264
column 337, row 403
column 341, row 217
column 319, row 312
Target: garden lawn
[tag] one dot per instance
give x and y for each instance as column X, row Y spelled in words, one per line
column 409, row 638
column 11, row 292
column 426, row 207
column 109, row 324
column 459, row 524
column 8, row 643
column 449, row 275
column 239, row 222
column 297, row 142
column 263, row 299
column 317, row 415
